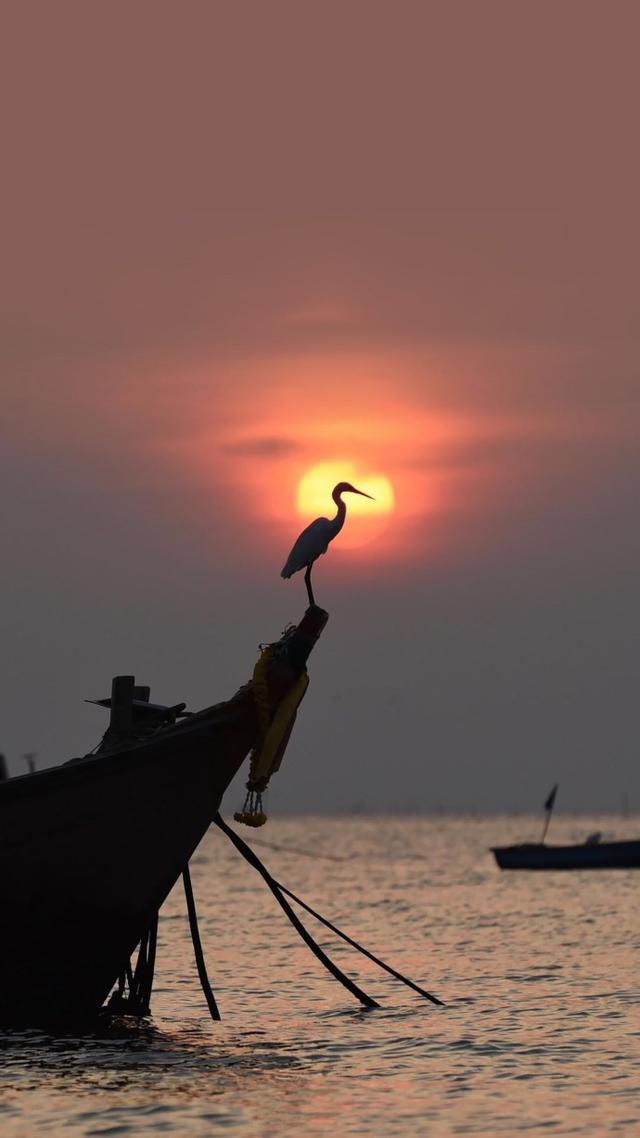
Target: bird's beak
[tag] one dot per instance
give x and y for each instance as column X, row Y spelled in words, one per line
column 361, row 492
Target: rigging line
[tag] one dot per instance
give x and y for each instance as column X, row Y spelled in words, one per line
column 153, row 944
column 145, row 981
column 197, row 946
column 253, row 859
column 138, row 980
column 361, row 948
column 297, row 850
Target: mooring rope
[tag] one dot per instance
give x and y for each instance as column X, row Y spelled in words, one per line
column 297, row 850
column 197, row 945
column 253, row 859
column 361, row 948
column 142, row 981
column 278, row 890
column 138, row 980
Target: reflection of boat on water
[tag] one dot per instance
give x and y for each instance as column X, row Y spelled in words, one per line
column 89, row 850
column 588, row 855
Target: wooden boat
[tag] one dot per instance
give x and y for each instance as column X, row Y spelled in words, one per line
column 588, row 855
column 89, row 850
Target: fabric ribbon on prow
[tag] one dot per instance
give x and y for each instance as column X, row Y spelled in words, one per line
column 274, row 729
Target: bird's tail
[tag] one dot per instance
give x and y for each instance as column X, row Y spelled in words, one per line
column 289, row 567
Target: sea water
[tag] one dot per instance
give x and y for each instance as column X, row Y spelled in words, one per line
column 540, row 1032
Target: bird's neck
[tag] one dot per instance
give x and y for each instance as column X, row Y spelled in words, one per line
column 341, row 514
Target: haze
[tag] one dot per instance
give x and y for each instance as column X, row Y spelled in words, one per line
column 243, row 240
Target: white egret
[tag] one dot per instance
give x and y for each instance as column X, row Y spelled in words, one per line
column 314, row 540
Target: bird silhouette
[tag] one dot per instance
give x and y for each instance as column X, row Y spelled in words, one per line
column 314, row 540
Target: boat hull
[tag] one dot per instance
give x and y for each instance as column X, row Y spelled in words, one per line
column 91, row 855
column 90, row 850
column 598, row 855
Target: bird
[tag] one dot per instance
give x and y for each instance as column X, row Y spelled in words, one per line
column 314, row 540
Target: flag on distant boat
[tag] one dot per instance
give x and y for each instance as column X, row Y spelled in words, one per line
column 551, row 799
column 548, row 806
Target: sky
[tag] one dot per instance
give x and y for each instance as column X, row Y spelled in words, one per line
column 249, row 250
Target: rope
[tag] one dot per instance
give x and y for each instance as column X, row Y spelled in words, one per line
column 297, row 850
column 360, row 948
column 139, row 981
column 276, row 886
column 253, row 859
column 142, row 981
column 197, row 946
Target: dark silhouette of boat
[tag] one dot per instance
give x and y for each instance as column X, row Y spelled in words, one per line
column 589, row 855
column 89, row 850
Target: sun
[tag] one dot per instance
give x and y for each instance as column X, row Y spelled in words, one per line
column 366, row 518
column 314, row 490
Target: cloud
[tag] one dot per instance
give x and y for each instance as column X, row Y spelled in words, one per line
column 269, row 446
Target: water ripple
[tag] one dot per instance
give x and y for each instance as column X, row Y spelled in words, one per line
column 539, row 972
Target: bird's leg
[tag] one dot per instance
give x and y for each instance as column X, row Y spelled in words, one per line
column 307, row 581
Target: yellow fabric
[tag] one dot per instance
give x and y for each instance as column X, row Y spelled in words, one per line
column 261, row 767
column 265, row 757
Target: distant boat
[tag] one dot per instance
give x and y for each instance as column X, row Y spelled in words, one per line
column 589, row 855
column 90, row 850
column 593, row 853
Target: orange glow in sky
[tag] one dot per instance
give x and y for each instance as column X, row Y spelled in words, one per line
column 317, row 420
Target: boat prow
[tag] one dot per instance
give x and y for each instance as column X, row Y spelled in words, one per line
column 89, row 850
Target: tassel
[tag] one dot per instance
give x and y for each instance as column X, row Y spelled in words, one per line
column 252, row 813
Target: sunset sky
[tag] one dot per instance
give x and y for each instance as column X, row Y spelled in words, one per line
column 251, row 248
